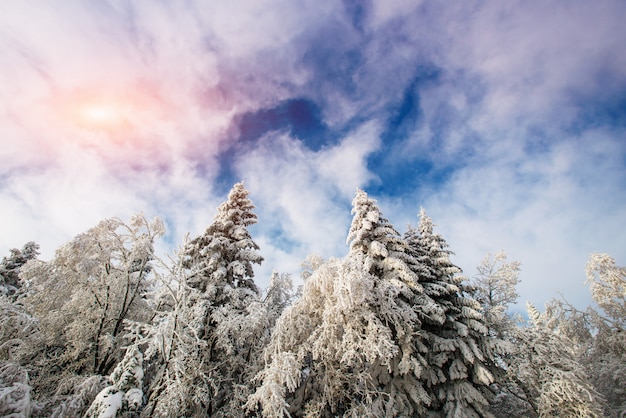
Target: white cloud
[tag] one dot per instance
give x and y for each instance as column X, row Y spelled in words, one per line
column 513, row 77
column 302, row 197
column 548, row 211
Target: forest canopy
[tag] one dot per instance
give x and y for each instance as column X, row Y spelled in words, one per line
column 109, row 328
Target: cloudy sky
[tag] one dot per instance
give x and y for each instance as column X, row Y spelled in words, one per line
column 505, row 120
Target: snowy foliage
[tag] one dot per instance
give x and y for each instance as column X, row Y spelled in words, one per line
column 460, row 353
column 388, row 330
column 345, row 348
column 82, row 298
column 125, row 395
column 608, row 288
column 216, row 324
column 495, row 290
column 279, row 295
column 546, row 369
column 606, row 361
column 18, row 329
column 74, row 396
column 108, row 329
column 225, row 253
column 93, row 284
column 599, row 334
column 15, row 391
column 10, row 267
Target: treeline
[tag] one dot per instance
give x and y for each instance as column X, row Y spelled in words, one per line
column 109, row 329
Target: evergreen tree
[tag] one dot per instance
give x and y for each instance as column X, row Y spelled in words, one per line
column 459, row 352
column 11, row 265
column 124, row 396
column 213, row 332
column 224, row 255
column 351, row 346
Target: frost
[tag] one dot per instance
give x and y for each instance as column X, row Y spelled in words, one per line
column 15, row 391
column 108, row 329
column 107, row 404
column 125, row 394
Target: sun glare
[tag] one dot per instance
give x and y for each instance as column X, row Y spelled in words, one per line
column 101, row 115
column 115, row 111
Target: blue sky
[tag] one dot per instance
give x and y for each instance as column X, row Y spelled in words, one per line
column 505, row 120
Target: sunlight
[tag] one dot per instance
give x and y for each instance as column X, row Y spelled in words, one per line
column 101, row 115
column 117, row 111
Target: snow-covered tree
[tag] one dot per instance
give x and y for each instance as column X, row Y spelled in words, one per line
column 74, row 396
column 373, row 236
column 212, row 334
column 606, row 361
column 599, row 333
column 10, row 267
column 124, row 396
column 546, row 368
column 15, row 391
column 18, row 331
column 495, row 289
column 460, row 353
column 351, row 344
column 338, row 350
column 224, row 255
column 82, row 298
column 278, row 295
column 607, row 283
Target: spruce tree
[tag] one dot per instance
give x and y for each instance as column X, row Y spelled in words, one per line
column 124, row 396
column 216, row 321
column 460, row 354
column 351, row 345
column 224, row 255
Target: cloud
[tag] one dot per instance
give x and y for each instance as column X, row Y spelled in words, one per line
column 547, row 211
column 505, row 121
column 302, row 196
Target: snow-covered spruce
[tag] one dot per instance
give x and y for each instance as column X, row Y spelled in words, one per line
column 391, row 329
column 388, row 330
column 124, row 396
column 217, row 321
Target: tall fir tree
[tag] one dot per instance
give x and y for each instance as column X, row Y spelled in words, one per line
column 351, row 345
column 216, row 322
column 460, row 353
column 224, row 255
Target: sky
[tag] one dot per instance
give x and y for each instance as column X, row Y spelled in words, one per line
column 506, row 121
